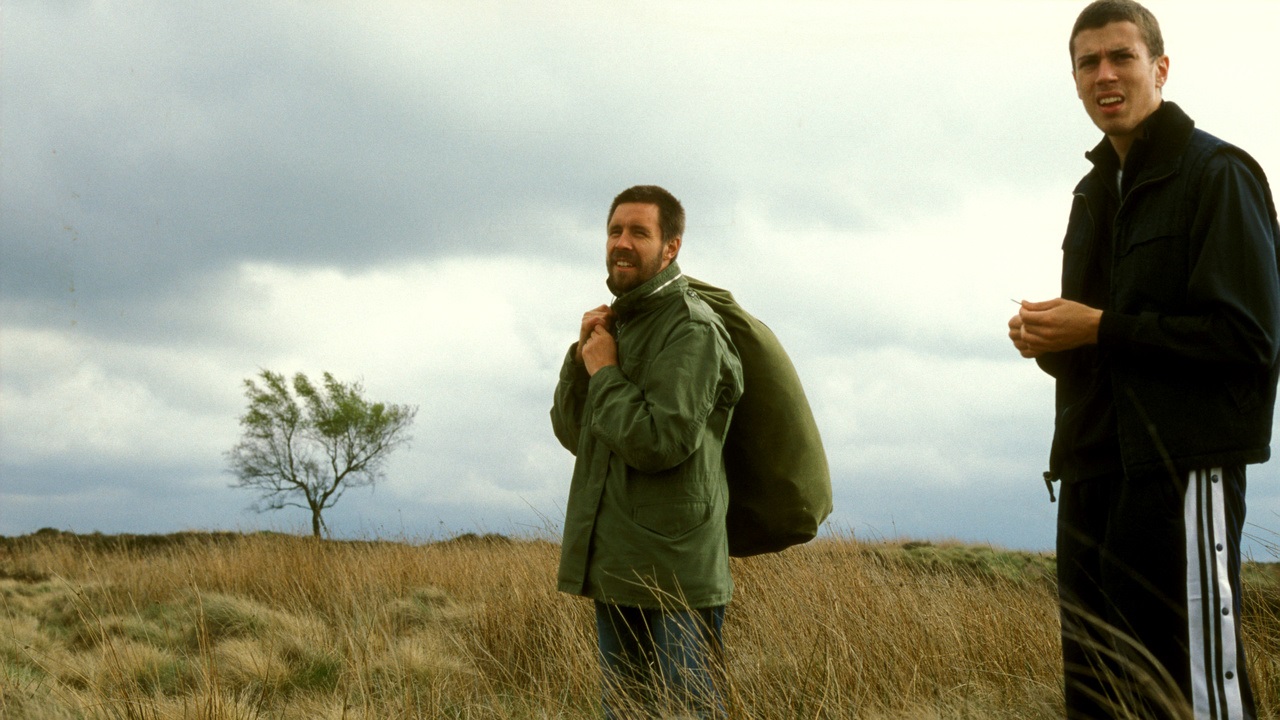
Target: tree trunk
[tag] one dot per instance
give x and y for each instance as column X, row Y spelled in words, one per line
column 315, row 522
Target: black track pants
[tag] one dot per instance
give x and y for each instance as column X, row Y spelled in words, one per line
column 1149, row 583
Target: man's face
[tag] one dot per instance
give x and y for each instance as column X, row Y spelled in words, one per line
column 635, row 251
column 1117, row 79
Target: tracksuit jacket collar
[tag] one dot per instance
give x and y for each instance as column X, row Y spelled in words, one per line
column 654, row 290
column 1165, row 135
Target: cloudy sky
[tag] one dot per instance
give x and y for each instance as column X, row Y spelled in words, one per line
column 413, row 194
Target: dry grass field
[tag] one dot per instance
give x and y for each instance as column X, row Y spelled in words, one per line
column 229, row 626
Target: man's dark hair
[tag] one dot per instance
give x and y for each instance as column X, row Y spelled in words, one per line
column 1103, row 12
column 670, row 211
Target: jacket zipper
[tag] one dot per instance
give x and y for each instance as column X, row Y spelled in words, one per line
column 1115, row 249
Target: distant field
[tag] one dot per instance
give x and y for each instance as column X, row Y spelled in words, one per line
column 229, row 626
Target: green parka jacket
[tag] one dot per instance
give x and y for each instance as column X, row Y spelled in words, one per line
column 645, row 524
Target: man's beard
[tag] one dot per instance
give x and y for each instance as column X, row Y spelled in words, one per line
column 644, row 272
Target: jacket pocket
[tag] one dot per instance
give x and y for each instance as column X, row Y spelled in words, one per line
column 1152, row 271
column 1148, row 239
column 671, row 520
column 635, row 369
column 1075, row 249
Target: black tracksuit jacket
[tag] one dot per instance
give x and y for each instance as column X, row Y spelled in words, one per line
column 1183, row 262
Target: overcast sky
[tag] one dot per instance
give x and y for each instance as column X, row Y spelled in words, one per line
column 413, row 194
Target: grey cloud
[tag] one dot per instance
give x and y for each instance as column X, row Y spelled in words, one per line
column 180, row 140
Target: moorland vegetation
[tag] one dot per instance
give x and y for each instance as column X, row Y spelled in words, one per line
column 236, row 626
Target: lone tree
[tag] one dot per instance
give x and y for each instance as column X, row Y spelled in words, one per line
column 306, row 451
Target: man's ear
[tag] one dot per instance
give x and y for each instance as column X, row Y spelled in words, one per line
column 670, row 249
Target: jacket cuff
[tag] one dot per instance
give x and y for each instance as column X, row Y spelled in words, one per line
column 570, row 371
column 604, row 374
column 1115, row 328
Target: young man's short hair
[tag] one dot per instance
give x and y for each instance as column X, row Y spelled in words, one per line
column 1103, row 12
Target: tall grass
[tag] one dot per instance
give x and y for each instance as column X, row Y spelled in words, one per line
column 268, row 626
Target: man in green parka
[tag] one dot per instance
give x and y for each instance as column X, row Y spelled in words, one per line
column 644, row 401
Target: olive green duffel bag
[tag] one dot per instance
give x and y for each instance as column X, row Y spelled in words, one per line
column 779, row 481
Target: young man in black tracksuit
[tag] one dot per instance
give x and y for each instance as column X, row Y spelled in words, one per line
column 1164, row 348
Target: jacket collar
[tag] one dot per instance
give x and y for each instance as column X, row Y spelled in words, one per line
column 1165, row 134
column 670, row 281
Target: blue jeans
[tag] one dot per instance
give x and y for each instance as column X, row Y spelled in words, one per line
column 661, row 662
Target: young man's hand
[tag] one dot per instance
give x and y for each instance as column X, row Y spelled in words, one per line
column 1053, row 326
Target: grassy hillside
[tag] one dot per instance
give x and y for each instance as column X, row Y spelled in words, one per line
column 216, row 626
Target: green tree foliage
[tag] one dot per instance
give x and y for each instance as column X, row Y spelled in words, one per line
column 304, row 446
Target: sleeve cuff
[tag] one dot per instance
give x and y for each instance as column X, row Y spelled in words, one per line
column 602, row 375
column 1115, row 328
column 570, row 370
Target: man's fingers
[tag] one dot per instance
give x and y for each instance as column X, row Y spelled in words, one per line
column 1042, row 305
column 598, row 334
